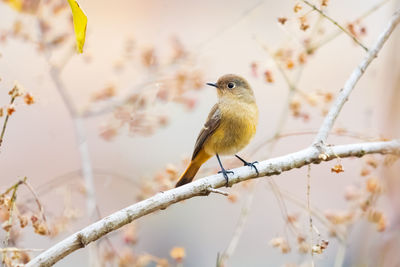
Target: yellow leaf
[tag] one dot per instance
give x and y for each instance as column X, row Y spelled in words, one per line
column 80, row 22
column 16, row 4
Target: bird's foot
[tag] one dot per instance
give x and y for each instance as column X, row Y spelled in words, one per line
column 252, row 165
column 225, row 174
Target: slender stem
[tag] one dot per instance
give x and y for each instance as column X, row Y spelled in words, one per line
column 40, row 206
column 3, row 130
column 239, row 228
column 314, row 46
column 14, row 189
column 335, row 23
column 309, row 213
column 13, row 249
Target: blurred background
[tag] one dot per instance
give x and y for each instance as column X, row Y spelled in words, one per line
column 139, row 100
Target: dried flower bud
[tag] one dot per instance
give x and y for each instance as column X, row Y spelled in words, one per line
column 304, row 26
column 171, row 170
column 149, row 58
column 276, row 242
column 268, row 76
column 363, row 31
column 373, row 185
column 382, row 224
column 365, row 171
column 351, row 28
column 304, row 248
column 336, row 217
column 323, row 156
column 324, row 244
column 282, row 20
column 285, row 248
column 297, row 8
column 302, row 58
column 105, row 93
column 24, row 257
column 289, row 64
column 23, row 220
column 312, row 99
column 328, row 97
column 352, row 193
column 41, row 228
column 337, row 168
column 177, row 253
column 34, row 219
column 372, row 162
column 16, row 90
column 254, row 69
column 232, row 198
column 130, row 234
column 28, row 99
column 317, row 249
column 292, row 218
column 126, row 259
column 374, row 216
column 295, row 105
column 10, row 109
column 281, row 243
column 390, row 160
column 303, row 23
column 6, row 226
column 162, row 263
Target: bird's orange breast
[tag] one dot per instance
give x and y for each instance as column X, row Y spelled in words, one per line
column 238, row 126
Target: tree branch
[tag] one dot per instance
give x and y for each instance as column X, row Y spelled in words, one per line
column 344, row 93
column 201, row 187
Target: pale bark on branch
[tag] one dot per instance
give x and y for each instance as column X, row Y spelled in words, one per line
column 200, row 187
column 274, row 166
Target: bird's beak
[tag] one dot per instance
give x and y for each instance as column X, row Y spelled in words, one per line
column 212, row 84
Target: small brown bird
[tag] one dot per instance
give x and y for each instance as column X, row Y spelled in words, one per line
column 231, row 124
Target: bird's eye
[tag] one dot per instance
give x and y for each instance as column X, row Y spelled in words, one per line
column 231, row 85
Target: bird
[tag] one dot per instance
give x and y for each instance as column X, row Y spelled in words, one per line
column 230, row 125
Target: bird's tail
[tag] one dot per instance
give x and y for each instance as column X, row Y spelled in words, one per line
column 192, row 169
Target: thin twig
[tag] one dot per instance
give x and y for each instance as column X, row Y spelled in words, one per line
column 244, row 212
column 312, row 47
column 344, row 93
column 13, row 249
column 11, row 188
column 11, row 204
column 3, row 130
column 318, row 214
column 87, row 172
column 217, row 191
column 336, row 24
column 309, row 214
column 40, row 206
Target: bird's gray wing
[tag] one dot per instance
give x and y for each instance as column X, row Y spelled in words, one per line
column 212, row 123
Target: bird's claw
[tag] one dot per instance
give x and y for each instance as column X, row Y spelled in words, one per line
column 252, row 165
column 225, row 174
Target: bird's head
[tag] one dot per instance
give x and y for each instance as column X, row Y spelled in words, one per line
column 231, row 85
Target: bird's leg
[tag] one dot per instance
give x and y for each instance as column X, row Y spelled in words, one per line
column 223, row 171
column 251, row 164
